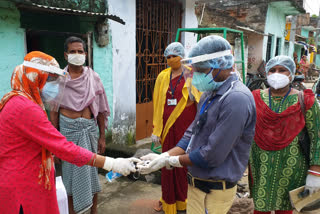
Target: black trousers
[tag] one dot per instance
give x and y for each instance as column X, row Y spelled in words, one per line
column 21, row 210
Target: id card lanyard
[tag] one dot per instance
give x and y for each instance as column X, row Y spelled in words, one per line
column 204, row 108
column 173, row 101
column 284, row 98
column 206, row 105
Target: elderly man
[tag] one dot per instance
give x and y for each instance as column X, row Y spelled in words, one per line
column 84, row 109
column 216, row 145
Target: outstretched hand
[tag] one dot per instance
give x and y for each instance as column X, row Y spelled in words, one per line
column 124, row 166
column 155, row 139
column 153, row 162
column 156, row 162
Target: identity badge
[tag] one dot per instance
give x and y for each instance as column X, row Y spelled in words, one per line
column 172, row 102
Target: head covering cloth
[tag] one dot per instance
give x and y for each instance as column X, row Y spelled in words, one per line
column 86, row 91
column 28, row 82
column 275, row 131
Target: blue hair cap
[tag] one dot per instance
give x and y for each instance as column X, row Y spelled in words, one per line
column 284, row 61
column 175, row 49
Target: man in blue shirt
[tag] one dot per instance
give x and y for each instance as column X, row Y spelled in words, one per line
column 216, row 145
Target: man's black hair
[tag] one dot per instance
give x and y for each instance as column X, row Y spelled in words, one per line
column 73, row 39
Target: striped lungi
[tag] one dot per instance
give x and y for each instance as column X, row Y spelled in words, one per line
column 81, row 182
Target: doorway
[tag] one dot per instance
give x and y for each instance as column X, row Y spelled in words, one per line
column 156, row 27
column 52, row 43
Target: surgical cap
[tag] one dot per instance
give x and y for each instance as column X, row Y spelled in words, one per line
column 284, row 61
column 175, row 49
column 209, row 45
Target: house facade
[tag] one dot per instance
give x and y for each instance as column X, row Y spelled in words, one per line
column 263, row 23
column 125, row 49
column 306, row 33
column 315, row 22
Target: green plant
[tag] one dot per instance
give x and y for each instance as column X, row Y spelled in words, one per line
column 131, row 138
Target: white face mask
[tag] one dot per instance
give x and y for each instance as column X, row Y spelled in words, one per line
column 277, row 80
column 77, row 59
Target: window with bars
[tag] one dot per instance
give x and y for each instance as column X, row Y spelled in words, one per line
column 269, row 48
column 278, row 47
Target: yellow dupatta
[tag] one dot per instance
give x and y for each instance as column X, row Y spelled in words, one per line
column 159, row 99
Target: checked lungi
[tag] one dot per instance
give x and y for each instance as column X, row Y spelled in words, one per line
column 81, row 182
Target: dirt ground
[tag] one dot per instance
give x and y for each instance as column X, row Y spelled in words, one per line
column 125, row 196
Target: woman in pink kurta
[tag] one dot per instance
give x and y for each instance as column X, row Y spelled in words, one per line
column 24, row 129
column 28, row 140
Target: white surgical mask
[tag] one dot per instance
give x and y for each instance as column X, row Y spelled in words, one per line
column 50, row 91
column 77, row 59
column 278, row 81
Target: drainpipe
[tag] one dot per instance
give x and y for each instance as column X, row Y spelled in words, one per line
column 204, row 6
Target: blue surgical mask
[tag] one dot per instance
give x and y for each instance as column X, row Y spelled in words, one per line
column 204, row 82
column 50, row 91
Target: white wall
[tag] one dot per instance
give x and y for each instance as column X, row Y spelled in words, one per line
column 123, row 38
column 291, row 49
column 124, row 67
column 255, row 51
column 189, row 20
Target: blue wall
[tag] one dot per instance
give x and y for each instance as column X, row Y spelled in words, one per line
column 275, row 25
column 11, row 42
column 318, row 60
column 102, row 64
column 305, row 33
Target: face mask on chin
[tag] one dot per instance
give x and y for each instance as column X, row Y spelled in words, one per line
column 278, row 81
column 76, row 59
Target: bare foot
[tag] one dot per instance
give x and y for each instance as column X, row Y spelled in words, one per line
column 158, row 206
